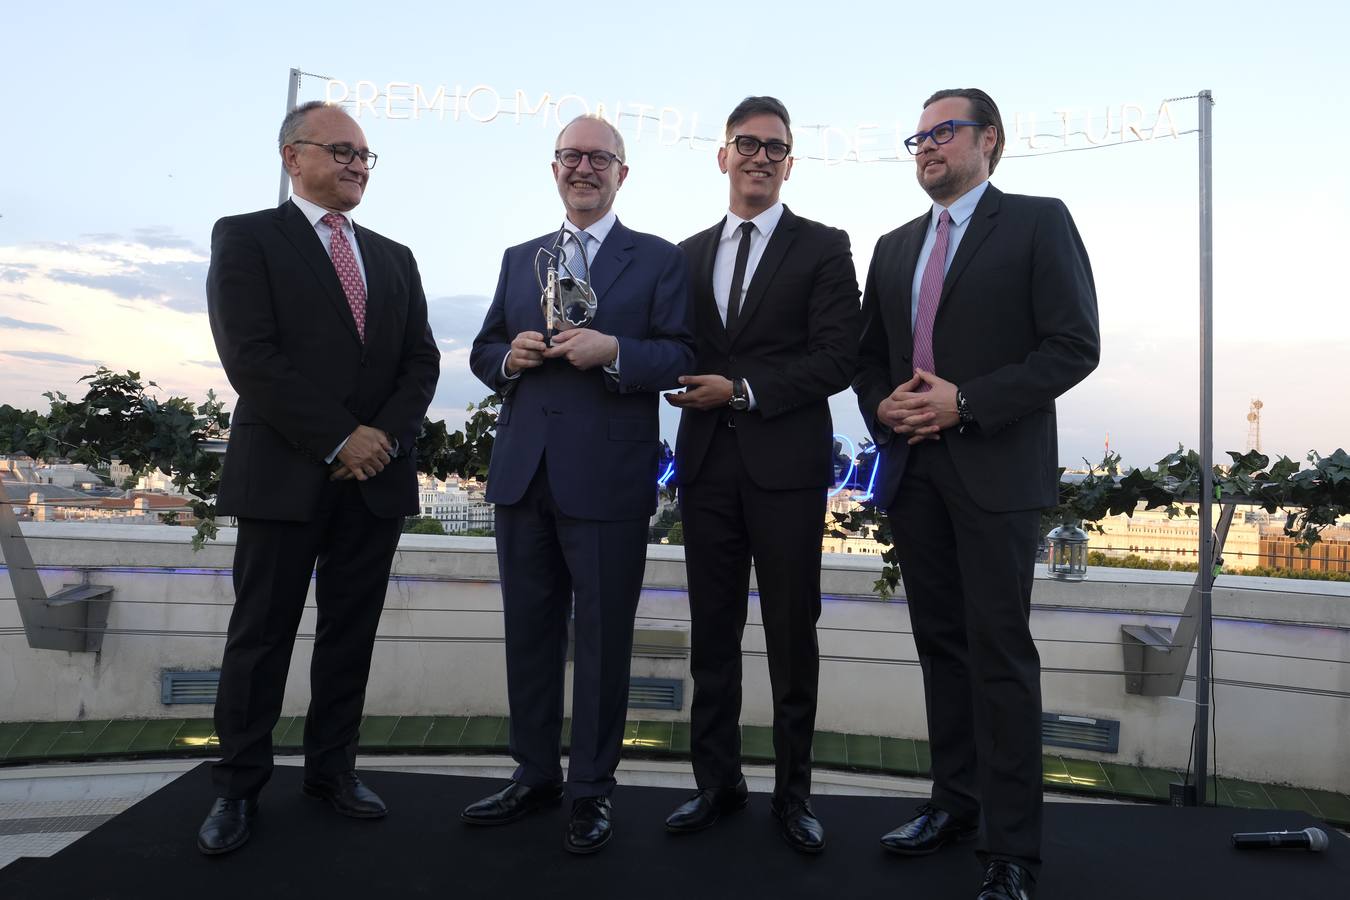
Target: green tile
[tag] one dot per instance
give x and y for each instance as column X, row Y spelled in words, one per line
column 679, row 738
column 654, row 737
column 197, row 734
column 630, row 731
column 376, row 730
column 292, row 736
column 1054, row 774
column 411, row 731
column 156, row 737
column 484, row 732
column 1335, row 808
column 37, row 740
column 923, row 752
column 446, row 731
column 77, row 737
column 1127, row 781
column 898, row 755
column 117, row 737
column 863, row 750
column 10, row 732
column 567, row 734
column 829, row 749
column 1291, row 798
column 1244, row 794
column 1159, row 781
column 1086, row 775
column 757, row 742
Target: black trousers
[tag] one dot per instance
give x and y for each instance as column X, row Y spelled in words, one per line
column 728, row 521
column 968, row 576
column 548, row 560
column 349, row 552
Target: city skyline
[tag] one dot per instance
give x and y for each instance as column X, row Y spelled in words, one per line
column 104, row 233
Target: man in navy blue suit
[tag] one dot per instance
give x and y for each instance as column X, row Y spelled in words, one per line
column 573, row 476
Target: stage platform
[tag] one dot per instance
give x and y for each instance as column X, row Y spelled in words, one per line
column 302, row 849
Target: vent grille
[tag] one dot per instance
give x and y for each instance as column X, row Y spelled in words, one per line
column 656, row 693
column 188, row 687
column 1080, row 732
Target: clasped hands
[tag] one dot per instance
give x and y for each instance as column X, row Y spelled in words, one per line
column 921, row 415
column 584, row 348
column 364, row 455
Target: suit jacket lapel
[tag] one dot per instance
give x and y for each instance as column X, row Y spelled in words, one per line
column 306, row 241
column 612, row 258
column 377, row 270
column 773, row 257
column 907, row 260
column 704, row 258
column 982, row 222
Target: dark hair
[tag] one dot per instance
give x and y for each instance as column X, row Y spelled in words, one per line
column 754, row 106
column 290, row 126
column 982, row 109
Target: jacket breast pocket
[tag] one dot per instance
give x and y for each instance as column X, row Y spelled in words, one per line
column 632, row 430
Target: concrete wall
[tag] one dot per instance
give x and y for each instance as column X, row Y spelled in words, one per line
column 440, row 648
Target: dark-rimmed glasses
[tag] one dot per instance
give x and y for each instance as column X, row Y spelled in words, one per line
column 343, row 154
column 941, row 133
column 600, row 159
column 748, row 145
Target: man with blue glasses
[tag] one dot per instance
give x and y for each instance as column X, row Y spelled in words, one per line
column 976, row 316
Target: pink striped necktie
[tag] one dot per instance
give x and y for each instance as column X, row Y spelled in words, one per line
column 347, row 271
column 930, row 292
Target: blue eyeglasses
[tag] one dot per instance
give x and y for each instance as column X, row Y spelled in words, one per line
column 941, row 133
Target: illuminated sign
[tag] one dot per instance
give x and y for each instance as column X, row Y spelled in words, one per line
column 669, row 126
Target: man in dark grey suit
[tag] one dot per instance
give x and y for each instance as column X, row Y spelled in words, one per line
column 321, row 326
column 976, row 316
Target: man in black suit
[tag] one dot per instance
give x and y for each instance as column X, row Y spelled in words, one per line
column 321, row 326
column 776, row 304
column 573, row 476
column 976, row 316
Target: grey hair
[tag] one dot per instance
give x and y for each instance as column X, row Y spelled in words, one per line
column 290, row 126
column 592, row 117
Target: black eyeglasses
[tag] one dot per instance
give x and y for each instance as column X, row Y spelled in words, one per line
column 746, row 145
column 343, row 154
column 941, row 133
column 600, row 159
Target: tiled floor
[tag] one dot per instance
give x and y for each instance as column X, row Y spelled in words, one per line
column 49, row 741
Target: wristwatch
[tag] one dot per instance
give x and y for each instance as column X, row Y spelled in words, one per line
column 963, row 410
column 740, row 399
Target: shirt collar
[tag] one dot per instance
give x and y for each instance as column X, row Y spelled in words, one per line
column 964, row 207
column 314, row 212
column 765, row 222
column 597, row 230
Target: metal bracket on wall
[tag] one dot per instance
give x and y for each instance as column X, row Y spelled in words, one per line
column 75, row 618
column 1156, row 658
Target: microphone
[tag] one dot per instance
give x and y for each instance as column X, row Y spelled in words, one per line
column 1314, row 839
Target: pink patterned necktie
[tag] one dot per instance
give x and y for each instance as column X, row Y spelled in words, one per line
column 347, row 271
column 930, row 292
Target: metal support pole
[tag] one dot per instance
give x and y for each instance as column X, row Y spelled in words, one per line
column 292, row 92
column 1206, row 582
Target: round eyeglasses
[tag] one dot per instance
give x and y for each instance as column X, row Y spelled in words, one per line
column 343, row 154
column 747, row 145
column 600, row 159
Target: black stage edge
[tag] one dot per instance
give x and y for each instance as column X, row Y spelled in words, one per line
column 302, row 849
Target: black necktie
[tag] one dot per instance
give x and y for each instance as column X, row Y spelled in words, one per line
column 738, row 274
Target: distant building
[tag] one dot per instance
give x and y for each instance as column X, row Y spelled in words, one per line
column 459, row 506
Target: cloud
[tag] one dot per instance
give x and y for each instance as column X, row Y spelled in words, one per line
column 180, row 286
column 7, row 322
column 26, row 298
column 456, row 319
column 13, row 272
column 43, row 356
column 208, row 363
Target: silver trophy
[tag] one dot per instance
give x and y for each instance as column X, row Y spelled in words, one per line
column 566, row 296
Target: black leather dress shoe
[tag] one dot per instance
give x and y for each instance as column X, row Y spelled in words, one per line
column 1005, row 880
column 347, row 795
column 227, row 825
column 929, row 831
column 512, row 802
column 590, row 828
column 706, row 807
column 798, row 824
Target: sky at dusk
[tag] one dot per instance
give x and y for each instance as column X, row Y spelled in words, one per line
column 131, row 129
